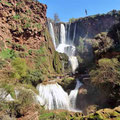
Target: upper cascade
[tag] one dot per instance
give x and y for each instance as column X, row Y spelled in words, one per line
column 62, row 34
column 65, row 45
column 51, row 30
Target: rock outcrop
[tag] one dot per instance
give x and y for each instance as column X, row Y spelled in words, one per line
column 90, row 26
column 23, row 32
column 23, row 23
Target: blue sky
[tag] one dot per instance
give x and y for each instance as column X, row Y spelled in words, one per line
column 67, row 9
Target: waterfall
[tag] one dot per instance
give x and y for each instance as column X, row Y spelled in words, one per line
column 62, row 34
column 73, row 96
column 52, row 96
column 51, row 30
column 68, row 33
column 67, row 48
column 74, row 34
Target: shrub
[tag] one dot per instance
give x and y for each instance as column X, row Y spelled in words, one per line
column 8, row 88
column 107, row 72
column 7, row 54
column 20, row 68
column 33, row 77
column 26, row 97
column 30, row 52
column 57, row 63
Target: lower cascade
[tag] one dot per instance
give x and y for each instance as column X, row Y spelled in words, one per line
column 52, row 96
column 73, row 97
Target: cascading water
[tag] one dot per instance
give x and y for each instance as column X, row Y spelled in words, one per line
column 52, row 96
column 73, row 96
column 62, row 34
column 67, row 48
column 51, row 30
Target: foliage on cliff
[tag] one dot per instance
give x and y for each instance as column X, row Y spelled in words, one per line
column 28, row 51
column 106, row 73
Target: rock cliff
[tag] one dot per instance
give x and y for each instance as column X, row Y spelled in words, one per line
column 90, row 26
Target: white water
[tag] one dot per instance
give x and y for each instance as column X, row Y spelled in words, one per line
column 73, row 96
column 51, row 30
column 5, row 96
column 62, row 34
column 67, row 48
column 52, row 96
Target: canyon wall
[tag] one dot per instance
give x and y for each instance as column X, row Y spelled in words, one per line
column 90, row 26
column 23, row 30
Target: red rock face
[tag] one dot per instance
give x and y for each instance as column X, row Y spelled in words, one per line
column 22, row 22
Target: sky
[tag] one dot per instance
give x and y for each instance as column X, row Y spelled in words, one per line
column 67, row 9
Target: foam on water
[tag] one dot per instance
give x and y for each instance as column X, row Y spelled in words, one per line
column 52, row 96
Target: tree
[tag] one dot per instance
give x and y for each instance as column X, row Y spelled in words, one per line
column 56, row 18
column 71, row 20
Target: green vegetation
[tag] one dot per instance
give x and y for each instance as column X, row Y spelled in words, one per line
column 18, row 3
column 25, row 99
column 107, row 71
column 33, row 77
column 8, row 4
column 2, row 63
column 38, row 26
column 16, row 17
column 19, row 68
column 7, row 54
column 18, row 47
column 9, row 88
column 72, row 20
column 57, row 63
column 81, row 46
column 26, row 96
